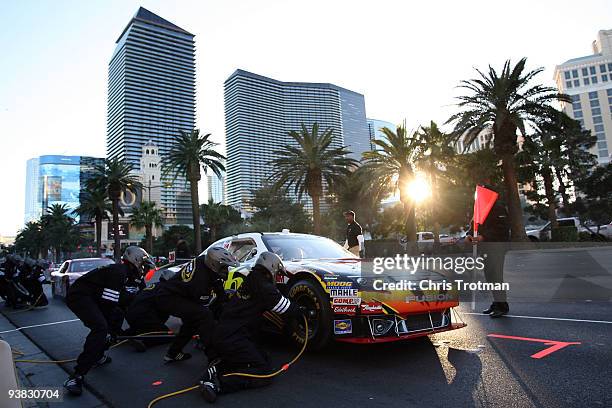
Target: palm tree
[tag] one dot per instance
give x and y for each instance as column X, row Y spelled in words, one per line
column 191, row 153
column 311, row 163
column 215, row 215
column 95, row 205
column 147, row 216
column 30, row 239
column 392, row 164
column 505, row 103
column 434, row 153
column 114, row 177
column 58, row 229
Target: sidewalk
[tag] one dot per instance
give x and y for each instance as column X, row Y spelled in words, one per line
column 40, row 375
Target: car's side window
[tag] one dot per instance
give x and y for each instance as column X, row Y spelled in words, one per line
column 64, row 268
column 243, row 249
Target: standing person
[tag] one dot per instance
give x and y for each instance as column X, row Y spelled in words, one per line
column 188, row 295
column 493, row 237
column 98, row 298
column 232, row 348
column 33, row 281
column 354, row 235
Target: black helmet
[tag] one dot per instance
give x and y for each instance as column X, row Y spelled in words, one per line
column 219, row 259
column 29, row 262
column 139, row 258
column 271, row 262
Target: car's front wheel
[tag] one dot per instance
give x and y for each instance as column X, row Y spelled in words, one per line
column 311, row 295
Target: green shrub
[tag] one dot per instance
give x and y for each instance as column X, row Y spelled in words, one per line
column 564, row 234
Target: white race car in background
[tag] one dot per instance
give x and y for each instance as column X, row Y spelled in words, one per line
column 72, row 269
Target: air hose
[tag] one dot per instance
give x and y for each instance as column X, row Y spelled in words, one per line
column 284, row 367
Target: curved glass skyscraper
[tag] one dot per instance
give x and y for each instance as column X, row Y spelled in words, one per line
column 151, row 96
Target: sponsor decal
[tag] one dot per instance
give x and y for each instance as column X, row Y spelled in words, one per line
column 371, row 308
column 438, row 297
column 345, row 309
column 344, row 326
column 188, row 271
column 346, row 301
column 339, row 284
column 334, row 293
column 280, row 279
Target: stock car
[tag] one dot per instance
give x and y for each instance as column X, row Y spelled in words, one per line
column 70, row 270
column 340, row 287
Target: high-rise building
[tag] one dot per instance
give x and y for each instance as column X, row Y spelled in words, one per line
column 150, row 173
column 151, row 96
column 216, row 188
column 374, row 129
column 259, row 114
column 588, row 80
column 56, row 180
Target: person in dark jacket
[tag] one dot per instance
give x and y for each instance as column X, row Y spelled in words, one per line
column 354, row 235
column 143, row 316
column 188, row 295
column 232, row 348
column 99, row 299
column 34, row 277
column 493, row 237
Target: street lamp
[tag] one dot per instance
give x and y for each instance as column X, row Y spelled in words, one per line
column 150, row 187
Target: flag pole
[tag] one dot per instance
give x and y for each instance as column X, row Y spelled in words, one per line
column 474, row 255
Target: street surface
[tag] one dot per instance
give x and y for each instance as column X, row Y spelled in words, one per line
column 557, row 296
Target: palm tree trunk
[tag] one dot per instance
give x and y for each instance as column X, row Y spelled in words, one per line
column 195, row 208
column 98, row 234
column 550, row 197
column 513, row 200
column 149, row 238
column 434, row 212
column 116, row 237
column 316, row 213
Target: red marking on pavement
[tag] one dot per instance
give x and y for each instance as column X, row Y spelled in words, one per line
column 285, row 367
column 554, row 344
column 156, row 383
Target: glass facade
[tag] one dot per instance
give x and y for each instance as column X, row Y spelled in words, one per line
column 151, row 96
column 56, row 180
column 374, row 128
column 259, row 114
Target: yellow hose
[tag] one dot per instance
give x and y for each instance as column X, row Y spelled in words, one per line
column 285, row 367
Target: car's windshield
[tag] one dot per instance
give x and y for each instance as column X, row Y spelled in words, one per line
column 293, row 247
column 88, row 264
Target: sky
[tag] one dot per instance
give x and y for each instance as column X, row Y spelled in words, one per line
column 406, row 57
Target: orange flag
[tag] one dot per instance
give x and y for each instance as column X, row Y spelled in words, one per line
column 483, row 202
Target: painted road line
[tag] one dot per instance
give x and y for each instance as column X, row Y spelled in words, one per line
column 555, row 345
column 545, row 318
column 39, row 325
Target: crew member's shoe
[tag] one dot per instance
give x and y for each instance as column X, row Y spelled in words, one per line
column 500, row 309
column 74, row 385
column 137, row 345
column 490, row 309
column 103, row 361
column 209, row 385
column 180, row 356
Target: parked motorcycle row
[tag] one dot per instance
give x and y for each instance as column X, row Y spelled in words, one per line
column 21, row 282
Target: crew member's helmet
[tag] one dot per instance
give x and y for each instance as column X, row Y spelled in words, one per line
column 219, row 260
column 29, row 262
column 139, row 258
column 272, row 262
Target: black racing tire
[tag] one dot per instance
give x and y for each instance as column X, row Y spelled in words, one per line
column 310, row 294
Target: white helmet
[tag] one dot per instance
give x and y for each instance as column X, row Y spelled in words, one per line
column 219, row 260
column 271, row 262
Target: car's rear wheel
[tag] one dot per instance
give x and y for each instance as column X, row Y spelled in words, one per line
column 311, row 295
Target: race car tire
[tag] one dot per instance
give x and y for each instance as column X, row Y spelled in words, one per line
column 310, row 294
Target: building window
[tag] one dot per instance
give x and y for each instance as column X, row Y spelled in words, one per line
column 593, row 95
column 585, row 72
column 567, row 74
column 602, row 145
column 576, row 82
column 578, row 114
column 574, row 73
column 594, row 80
column 597, row 119
column 592, row 70
column 576, row 98
column 609, row 67
column 603, row 153
column 586, row 81
column 604, row 77
column 594, row 103
column 609, row 91
column 568, row 84
column 601, row 137
column 599, row 128
column 596, row 111
column 602, row 68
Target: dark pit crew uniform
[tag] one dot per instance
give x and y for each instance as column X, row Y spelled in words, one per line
column 353, row 230
column 495, row 233
column 143, row 316
column 232, row 344
column 14, row 296
column 33, row 282
column 188, row 296
column 99, row 299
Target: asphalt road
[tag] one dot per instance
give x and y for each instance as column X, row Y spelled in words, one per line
column 466, row 367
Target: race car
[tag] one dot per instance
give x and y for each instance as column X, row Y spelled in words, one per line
column 349, row 303
column 72, row 269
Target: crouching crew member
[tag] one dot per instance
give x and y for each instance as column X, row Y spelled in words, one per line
column 232, row 348
column 143, row 316
column 33, row 281
column 98, row 298
column 188, row 295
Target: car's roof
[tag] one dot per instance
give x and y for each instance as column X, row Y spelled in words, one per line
column 281, row 234
column 90, row 259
